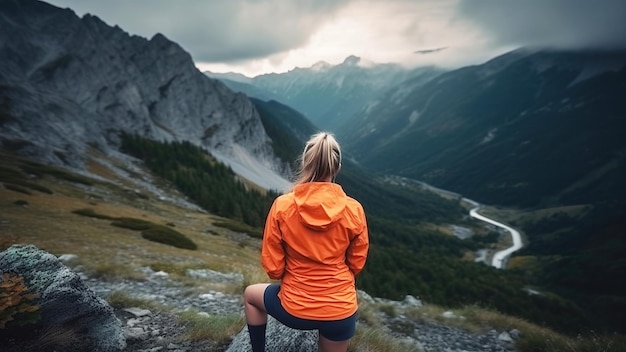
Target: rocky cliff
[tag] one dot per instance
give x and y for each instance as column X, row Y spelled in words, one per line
column 70, row 84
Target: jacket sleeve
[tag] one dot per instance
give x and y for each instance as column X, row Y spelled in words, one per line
column 358, row 248
column 272, row 250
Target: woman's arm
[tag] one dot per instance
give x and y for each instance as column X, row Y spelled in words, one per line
column 356, row 254
column 272, row 250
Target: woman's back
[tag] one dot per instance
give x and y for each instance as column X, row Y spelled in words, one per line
column 322, row 235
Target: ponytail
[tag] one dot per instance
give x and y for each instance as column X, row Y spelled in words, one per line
column 321, row 159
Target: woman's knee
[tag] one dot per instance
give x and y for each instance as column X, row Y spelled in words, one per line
column 253, row 294
column 326, row 345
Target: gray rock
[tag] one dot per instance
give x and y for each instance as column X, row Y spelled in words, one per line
column 68, row 259
column 64, row 300
column 278, row 338
column 215, row 276
column 411, row 301
column 504, row 336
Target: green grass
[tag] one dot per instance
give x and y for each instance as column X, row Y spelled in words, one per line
column 17, row 189
column 240, row 227
column 121, row 299
column 132, row 224
column 111, row 271
column 168, row 236
column 220, row 328
column 156, row 233
column 368, row 339
column 92, row 214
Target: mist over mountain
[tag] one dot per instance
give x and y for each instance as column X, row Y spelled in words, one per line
column 328, row 94
column 69, row 85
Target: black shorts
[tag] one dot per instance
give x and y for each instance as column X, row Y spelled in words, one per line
column 334, row 330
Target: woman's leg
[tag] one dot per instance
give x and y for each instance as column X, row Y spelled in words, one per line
column 326, row 345
column 254, row 305
column 256, row 315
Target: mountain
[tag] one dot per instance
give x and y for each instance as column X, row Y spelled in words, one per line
column 69, row 85
column 528, row 128
column 328, row 94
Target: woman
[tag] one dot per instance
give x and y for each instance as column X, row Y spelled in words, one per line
column 315, row 242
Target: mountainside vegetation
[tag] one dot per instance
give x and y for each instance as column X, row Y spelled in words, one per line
column 206, row 182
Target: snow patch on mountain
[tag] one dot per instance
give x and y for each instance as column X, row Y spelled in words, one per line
column 250, row 168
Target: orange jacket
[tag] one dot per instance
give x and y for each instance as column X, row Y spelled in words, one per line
column 316, row 242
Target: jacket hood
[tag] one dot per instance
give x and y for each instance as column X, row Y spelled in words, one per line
column 319, row 204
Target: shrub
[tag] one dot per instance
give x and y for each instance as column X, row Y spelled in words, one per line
column 133, row 224
column 33, row 186
column 121, row 299
column 168, row 236
column 39, row 170
column 156, row 233
column 21, row 203
column 92, row 214
column 240, row 227
column 17, row 305
column 17, row 189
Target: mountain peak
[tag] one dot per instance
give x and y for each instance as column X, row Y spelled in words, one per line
column 320, row 65
column 352, row 60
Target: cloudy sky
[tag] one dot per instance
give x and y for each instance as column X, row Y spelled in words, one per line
column 260, row 36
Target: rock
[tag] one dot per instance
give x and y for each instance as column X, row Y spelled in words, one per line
column 278, row 337
column 68, row 259
column 515, row 334
column 504, row 336
column 411, row 301
column 215, row 276
column 138, row 312
column 65, row 301
column 448, row 315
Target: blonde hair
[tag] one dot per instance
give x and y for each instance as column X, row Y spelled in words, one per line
column 321, row 159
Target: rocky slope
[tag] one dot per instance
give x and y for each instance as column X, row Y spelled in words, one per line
column 68, row 85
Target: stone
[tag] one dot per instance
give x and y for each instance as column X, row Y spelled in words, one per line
column 278, row 337
column 448, row 315
column 138, row 312
column 515, row 334
column 215, row 276
column 64, row 299
column 504, row 336
column 68, row 259
column 411, row 301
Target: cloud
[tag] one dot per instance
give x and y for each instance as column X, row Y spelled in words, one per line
column 430, row 51
column 260, row 36
column 216, row 30
column 550, row 23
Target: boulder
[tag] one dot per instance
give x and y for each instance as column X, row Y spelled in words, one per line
column 66, row 304
column 278, row 337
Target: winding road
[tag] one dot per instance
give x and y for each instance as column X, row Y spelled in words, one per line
column 500, row 256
